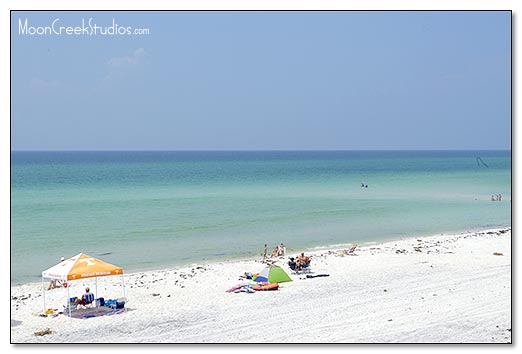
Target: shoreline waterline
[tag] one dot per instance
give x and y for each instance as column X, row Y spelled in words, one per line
column 293, row 252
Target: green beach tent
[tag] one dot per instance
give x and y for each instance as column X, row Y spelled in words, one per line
column 273, row 274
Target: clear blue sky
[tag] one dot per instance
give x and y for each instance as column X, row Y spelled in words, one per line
column 264, row 81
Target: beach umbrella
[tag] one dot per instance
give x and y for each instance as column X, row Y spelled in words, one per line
column 79, row 267
column 273, row 274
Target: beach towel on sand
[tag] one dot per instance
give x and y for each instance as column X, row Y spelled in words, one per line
column 318, row 275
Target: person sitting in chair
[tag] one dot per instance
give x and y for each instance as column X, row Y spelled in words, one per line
column 87, row 298
column 303, row 262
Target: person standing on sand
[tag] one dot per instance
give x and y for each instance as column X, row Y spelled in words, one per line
column 264, row 253
column 282, row 249
column 275, row 252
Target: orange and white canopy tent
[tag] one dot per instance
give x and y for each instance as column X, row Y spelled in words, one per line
column 81, row 266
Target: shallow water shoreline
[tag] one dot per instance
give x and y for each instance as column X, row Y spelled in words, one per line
column 149, row 211
column 294, row 252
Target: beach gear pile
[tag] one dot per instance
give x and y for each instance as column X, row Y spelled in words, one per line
column 103, row 308
column 268, row 279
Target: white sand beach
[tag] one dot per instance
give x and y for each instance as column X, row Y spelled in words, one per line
column 437, row 289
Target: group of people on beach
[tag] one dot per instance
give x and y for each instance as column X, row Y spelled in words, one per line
column 301, row 262
column 496, row 198
column 279, row 250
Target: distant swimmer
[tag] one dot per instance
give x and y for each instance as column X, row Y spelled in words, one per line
column 362, row 185
column 366, row 186
column 496, row 198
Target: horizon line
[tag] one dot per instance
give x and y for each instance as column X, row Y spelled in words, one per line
column 260, row 150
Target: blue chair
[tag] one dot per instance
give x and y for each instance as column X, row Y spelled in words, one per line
column 292, row 264
column 87, row 300
column 72, row 304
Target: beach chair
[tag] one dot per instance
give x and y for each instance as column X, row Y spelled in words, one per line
column 293, row 266
column 306, row 266
column 87, row 301
column 72, row 304
column 350, row 251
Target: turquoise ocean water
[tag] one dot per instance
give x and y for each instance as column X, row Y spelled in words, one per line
column 151, row 210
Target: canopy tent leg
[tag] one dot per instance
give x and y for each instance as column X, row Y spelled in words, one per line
column 69, row 299
column 43, row 290
column 96, row 288
column 123, row 286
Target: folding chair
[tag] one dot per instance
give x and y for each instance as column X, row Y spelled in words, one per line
column 87, row 300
